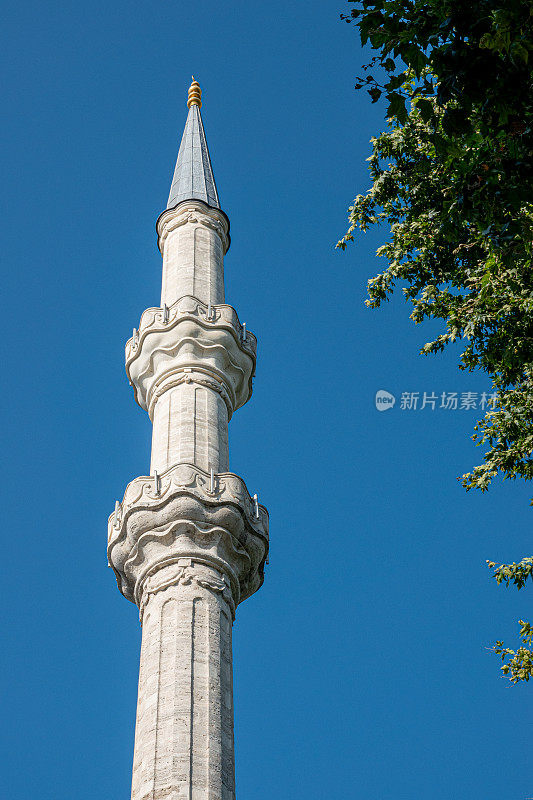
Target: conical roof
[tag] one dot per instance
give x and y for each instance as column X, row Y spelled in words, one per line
column 193, row 177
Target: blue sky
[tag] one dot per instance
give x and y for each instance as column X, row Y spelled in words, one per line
column 361, row 667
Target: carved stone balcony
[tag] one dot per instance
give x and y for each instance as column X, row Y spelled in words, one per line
column 190, row 339
column 188, row 513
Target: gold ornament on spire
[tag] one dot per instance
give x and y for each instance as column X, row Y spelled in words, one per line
column 195, row 94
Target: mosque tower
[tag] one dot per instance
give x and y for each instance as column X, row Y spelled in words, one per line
column 188, row 543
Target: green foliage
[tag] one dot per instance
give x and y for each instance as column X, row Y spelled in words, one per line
column 513, row 573
column 519, row 666
column 452, row 183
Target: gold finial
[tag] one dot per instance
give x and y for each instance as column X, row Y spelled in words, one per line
column 195, row 94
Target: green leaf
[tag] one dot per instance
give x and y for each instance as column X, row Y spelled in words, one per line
column 426, row 109
column 396, row 107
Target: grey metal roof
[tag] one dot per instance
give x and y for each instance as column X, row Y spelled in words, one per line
column 193, row 177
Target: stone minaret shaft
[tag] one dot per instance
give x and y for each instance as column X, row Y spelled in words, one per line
column 190, row 420
column 187, row 542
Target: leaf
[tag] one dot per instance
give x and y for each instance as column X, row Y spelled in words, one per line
column 396, row 107
column 426, row 109
column 520, row 51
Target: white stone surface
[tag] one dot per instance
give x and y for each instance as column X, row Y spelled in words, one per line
column 191, row 336
column 184, row 732
column 188, row 542
column 190, row 426
column 193, row 240
column 191, row 365
column 189, row 346
column 188, row 513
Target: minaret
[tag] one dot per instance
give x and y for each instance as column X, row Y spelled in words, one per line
column 188, row 543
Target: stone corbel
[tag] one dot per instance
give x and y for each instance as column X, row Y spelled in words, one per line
column 191, row 345
column 188, row 513
column 186, row 571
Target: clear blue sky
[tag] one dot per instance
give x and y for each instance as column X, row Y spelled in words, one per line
column 361, row 667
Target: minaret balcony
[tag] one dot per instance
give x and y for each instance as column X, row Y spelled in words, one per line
column 187, row 513
column 191, row 341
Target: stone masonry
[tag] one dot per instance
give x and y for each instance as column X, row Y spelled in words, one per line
column 188, row 543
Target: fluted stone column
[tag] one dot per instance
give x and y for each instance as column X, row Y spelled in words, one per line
column 193, row 242
column 188, row 543
column 190, row 425
column 184, row 731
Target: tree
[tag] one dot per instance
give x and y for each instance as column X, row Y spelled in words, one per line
column 452, row 183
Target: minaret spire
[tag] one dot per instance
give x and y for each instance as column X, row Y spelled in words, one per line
column 188, row 542
column 193, row 177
